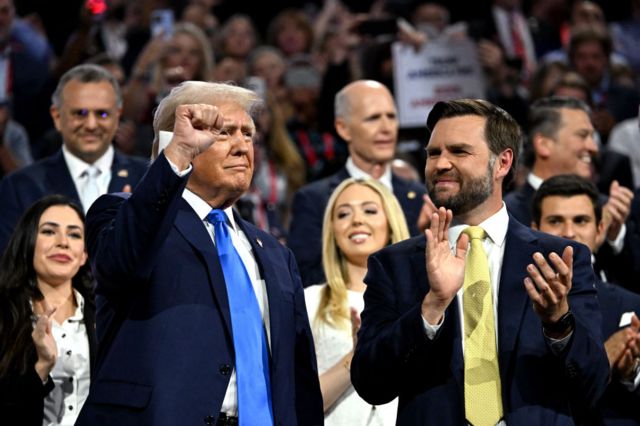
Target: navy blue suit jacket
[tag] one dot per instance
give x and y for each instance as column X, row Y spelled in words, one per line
column 50, row 175
column 307, row 213
column 395, row 358
column 164, row 329
column 618, row 406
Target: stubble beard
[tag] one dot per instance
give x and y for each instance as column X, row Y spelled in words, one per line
column 473, row 192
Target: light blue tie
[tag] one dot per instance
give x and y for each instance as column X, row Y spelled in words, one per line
column 249, row 339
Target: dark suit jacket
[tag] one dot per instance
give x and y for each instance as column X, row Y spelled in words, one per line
column 22, row 396
column 51, row 176
column 307, row 213
column 395, row 358
column 618, row 406
column 164, row 329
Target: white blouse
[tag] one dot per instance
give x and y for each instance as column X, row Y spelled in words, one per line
column 71, row 374
column 331, row 345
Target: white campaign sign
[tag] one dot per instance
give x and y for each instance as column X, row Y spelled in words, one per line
column 443, row 69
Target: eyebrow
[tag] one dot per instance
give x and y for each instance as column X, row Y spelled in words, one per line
column 56, row 225
column 364, row 203
column 232, row 125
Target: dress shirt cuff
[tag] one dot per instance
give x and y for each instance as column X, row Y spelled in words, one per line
column 618, row 244
column 557, row 345
column 431, row 330
column 632, row 384
column 177, row 171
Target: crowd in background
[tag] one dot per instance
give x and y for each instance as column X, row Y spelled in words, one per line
column 298, row 57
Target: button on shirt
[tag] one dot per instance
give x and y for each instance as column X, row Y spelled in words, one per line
column 242, row 245
column 71, row 373
column 77, row 169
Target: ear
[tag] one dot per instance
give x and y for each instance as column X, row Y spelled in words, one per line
column 534, row 225
column 55, row 115
column 503, row 163
column 343, row 129
column 542, row 145
column 84, row 258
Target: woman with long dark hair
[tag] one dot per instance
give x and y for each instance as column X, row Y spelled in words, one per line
column 47, row 316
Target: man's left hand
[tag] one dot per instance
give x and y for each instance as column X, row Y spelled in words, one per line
column 549, row 283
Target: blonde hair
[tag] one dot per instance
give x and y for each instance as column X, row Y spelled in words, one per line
column 199, row 92
column 333, row 308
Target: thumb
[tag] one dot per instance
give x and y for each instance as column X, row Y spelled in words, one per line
column 126, row 188
column 614, row 186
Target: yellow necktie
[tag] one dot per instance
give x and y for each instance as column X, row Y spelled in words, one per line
column 482, row 392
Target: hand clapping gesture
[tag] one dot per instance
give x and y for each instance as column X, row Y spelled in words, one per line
column 445, row 270
column 549, row 283
column 45, row 344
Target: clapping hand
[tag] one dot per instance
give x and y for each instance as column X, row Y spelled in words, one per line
column 45, row 344
column 445, row 269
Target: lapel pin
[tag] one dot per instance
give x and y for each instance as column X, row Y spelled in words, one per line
column 259, row 241
column 123, row 173
column 411, row 195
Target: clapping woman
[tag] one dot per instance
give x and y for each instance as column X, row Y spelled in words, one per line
column 362, row 216
column 47, row 331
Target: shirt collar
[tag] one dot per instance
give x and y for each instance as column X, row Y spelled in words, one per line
column 495, row 226
column 78, row 315
column 77, row 166
column 202, row 208
column 356, row 172
column 534, row 181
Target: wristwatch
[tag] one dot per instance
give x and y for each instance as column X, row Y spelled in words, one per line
column 566, row 322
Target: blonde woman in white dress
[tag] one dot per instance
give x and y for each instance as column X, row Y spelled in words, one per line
column 362, row 216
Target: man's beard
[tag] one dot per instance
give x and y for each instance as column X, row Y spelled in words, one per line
column 472, row 193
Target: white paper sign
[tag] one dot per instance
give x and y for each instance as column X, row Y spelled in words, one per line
column 442, row 70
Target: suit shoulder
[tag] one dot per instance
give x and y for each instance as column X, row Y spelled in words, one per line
column 402, row 248
column 317, row 187
column 408, row 184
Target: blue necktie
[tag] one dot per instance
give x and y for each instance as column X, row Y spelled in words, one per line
column 249, row 339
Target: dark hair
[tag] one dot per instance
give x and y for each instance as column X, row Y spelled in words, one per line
column 588, row 34
column 568, row 185
column 18, row 287
column 545, row 118
column 501, row 131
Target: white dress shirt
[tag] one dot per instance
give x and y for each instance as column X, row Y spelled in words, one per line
column 77, row 169
column 356, row 172
column 71, row 373
column 242, row 245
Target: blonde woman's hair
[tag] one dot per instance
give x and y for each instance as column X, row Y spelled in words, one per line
column 333, row 308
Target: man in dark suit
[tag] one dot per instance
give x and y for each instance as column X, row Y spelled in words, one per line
column 366, row 119
column 86, row 110
column 568, row 206
column 421, row 324
column 561, row 140
column 170, row 344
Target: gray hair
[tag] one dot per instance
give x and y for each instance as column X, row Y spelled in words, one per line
column 200, row 92
column 86, row 73
column 545, row 118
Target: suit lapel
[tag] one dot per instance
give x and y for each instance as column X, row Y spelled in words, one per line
column 59, row 179
column 513, row 299
column 262, row 254
column 193, row 230
column 403, row 193
column 120, row 173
